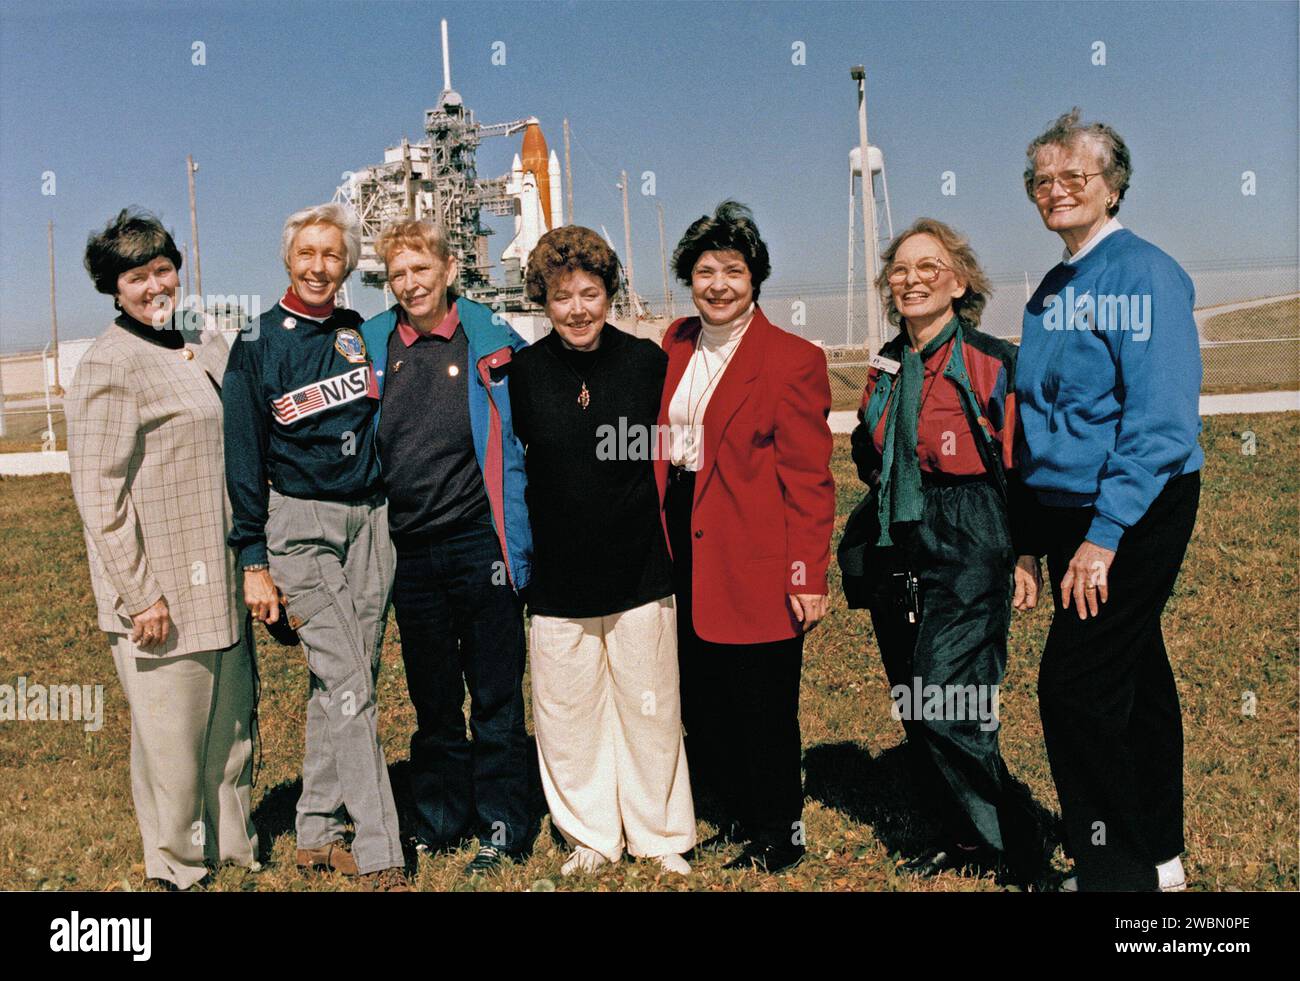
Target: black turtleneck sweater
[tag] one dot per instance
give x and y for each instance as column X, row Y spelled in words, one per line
column 167, row 336
column 598, row 544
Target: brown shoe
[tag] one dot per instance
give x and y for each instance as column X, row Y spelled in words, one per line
column 334, row 856
column 387, row 880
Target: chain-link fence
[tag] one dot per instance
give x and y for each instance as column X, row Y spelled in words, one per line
column 1248, row 314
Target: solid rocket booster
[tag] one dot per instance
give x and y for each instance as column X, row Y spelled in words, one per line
column 553, row 172
column 535, row 161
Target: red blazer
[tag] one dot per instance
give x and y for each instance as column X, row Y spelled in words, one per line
column 764, row 495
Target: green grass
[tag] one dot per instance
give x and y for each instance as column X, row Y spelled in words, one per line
column 66, row 819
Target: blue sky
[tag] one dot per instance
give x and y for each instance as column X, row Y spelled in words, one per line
column 704, row 95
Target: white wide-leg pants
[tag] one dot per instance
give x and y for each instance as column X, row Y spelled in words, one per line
column 607, row 712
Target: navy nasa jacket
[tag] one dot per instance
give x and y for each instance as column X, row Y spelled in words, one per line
column 300, row 402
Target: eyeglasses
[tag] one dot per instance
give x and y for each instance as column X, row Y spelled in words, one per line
column 1072, row 182
column 927, row 271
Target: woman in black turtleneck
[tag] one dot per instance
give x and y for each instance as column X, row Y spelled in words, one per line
column 603, row 641
column 146, row 456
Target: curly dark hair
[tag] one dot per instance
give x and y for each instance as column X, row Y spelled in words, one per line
column 132, row 239
column 569, row 248
column 730, row 228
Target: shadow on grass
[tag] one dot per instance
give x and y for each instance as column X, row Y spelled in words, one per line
column 880, row 792
column 276, row 812
column 872, row 790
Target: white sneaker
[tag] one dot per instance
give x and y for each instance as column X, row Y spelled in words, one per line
column 1171, row 876
column 583, row 859
column 674, row 863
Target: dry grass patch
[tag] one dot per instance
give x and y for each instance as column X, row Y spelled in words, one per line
column 66, row 819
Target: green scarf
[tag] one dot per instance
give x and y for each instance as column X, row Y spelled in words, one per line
column 900, row 499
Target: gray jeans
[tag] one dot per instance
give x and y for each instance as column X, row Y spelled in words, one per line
column 334, row 563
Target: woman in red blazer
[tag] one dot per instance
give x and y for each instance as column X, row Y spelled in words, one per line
column 749, row 503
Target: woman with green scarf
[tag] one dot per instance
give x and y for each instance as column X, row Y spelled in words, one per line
column 938, row 548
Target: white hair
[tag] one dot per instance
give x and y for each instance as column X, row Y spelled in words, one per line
column 334, row 214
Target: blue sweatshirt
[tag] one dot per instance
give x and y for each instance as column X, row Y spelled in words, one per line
column 1108, row 383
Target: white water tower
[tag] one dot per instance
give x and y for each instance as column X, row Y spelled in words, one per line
column 877, row 161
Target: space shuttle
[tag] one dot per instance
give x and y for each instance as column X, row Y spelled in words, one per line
column 534, row 183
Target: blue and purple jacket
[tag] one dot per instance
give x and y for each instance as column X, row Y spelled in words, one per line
column 500, row 454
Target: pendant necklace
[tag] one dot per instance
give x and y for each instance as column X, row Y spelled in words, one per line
column 693, row 413
column 584, row 396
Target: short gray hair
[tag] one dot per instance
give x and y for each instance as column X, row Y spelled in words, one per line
column 1067, row 132
column 334, row 214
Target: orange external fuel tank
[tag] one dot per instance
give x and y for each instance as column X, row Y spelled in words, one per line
column 535, row 159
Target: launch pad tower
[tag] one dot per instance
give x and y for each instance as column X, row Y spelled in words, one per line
column 437, row 178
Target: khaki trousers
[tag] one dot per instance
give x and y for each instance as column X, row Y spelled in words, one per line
column 334, row 563
column 607, row 713
column 191, row 756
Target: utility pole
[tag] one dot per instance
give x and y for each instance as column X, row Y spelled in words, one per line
column 627, row 246
column 54, row 316
column 189, row 273
column 859, row 74
column 568, row 174
column 663, row 257
column 190, row 168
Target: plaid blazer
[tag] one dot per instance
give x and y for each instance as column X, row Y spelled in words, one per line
column 145, row 451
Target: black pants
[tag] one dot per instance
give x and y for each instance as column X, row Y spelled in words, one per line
column 1111, row 718
column 961, row 555
column 740, row 708
column 462, row 626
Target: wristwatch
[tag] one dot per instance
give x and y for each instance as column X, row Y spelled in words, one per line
column 255, row 567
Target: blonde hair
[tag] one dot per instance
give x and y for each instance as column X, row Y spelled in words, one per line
column 416, row 234
column 964, row 263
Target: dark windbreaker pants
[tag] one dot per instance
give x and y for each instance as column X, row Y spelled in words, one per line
column 962, row 557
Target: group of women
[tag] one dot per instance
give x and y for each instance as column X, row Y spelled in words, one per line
column 672, row 590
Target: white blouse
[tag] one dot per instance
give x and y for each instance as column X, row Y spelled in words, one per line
column 714, row 348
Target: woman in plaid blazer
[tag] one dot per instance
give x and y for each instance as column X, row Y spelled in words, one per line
column 145, row 452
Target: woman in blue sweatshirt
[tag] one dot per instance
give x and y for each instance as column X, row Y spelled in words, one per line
column 1108, row 383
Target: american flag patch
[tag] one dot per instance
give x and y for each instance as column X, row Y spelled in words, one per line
column 322, row 395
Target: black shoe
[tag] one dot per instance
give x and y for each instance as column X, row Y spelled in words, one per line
column 730, row 833
column 767, row 858
column 951, row 857
column 488, row 861
column 1028, row 869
